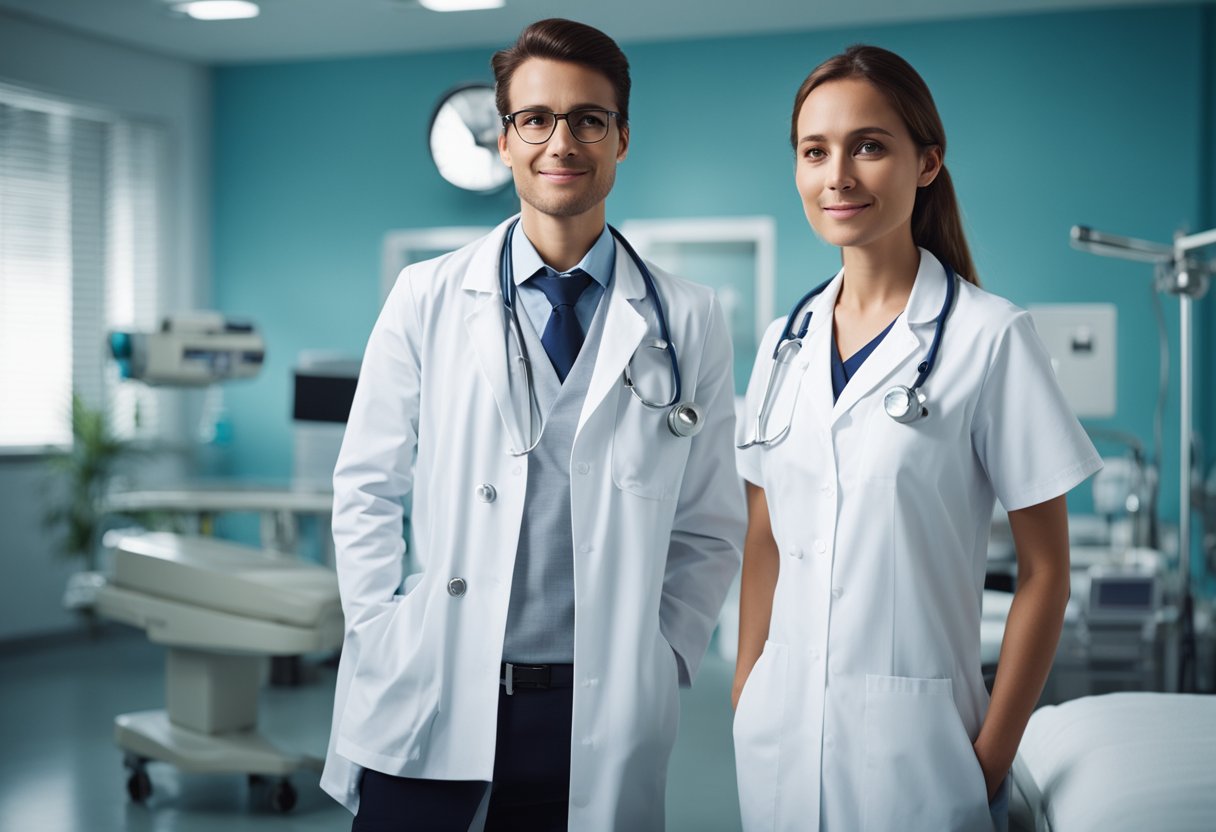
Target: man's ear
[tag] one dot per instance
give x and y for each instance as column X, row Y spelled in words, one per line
column 623, row 150
column 503, row 153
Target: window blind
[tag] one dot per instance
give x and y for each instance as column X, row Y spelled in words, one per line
column 82, row 197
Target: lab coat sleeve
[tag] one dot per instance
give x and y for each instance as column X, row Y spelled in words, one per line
column 707, row 531
column 374, row 471
column 1023, row 431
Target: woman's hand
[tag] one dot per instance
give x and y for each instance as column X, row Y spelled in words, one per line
column 737, row 690
column 994, row 774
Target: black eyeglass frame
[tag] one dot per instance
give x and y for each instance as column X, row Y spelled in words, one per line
column 509, row 119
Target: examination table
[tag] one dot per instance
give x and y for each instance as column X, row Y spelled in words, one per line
column 1122, row 762
column 221, row 609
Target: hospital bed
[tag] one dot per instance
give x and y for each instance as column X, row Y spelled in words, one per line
column 220, row 609
column 1123, row 761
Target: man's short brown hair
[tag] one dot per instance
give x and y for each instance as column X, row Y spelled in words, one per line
column 556, row 39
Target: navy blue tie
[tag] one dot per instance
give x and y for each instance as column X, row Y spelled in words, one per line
column 563, row 335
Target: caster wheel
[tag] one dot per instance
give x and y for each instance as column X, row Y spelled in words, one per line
column 139, row 786
column 283, row 797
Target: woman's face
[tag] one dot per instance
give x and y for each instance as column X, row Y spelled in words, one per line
column 857, row 167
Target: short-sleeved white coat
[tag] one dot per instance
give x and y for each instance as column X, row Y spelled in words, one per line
column 860, row 713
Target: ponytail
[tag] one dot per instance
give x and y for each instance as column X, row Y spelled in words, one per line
column 937, row 225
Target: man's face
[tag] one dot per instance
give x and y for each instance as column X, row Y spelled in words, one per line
column 562, row 177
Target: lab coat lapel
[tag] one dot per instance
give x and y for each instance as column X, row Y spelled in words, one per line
column 624, row 328
column 892, row 353
column 909, row 337
column 488, row 335
column 814, row 361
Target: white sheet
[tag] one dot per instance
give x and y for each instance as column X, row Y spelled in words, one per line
column 1124, row 761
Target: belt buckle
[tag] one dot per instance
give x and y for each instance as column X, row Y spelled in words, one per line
column 509, row 679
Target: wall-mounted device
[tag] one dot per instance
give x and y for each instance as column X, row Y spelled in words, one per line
column 193, row 349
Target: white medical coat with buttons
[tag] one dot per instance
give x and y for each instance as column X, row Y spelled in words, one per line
column 860, row 713
column 657, row 521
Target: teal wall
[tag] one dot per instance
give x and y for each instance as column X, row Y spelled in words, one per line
column 1098, row 118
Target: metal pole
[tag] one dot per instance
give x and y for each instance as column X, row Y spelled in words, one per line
column 1186, row 623
column 1184, row 458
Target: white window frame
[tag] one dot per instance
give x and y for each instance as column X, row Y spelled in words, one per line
column 760, row 231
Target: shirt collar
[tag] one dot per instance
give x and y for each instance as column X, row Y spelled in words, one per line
column 599, row 262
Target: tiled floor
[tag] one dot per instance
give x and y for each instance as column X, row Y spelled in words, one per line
column 60, row 770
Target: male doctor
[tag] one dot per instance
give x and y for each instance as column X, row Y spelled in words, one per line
column 574, row 551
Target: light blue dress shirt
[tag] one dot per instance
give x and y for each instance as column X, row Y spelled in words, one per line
column 599, row 263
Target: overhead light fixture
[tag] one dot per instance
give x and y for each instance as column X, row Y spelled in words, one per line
column 218, row 9
column 461, row 5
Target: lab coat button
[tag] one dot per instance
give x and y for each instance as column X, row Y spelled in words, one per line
column 486, row 493
column 583, row 468
column 796, row 553
column 517, row 470
column 586, row 548
column 457, row 587
column 820, row 546
column 829, row 490
column 837, row 592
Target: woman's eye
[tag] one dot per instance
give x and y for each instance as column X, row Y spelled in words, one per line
column 870, row 147
column 813, row 153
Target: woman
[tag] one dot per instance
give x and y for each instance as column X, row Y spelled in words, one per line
column 860, row 702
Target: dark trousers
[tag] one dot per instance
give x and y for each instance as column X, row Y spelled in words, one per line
column 531, row 788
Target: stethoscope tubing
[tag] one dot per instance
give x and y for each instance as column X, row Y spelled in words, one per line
column 787, row 336
column 506, row 272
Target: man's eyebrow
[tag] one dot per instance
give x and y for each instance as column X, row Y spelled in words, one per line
column 541, row 108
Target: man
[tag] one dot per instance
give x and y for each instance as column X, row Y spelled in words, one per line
column 575, row 551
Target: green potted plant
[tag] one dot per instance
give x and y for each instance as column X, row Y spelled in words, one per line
column 87, row 468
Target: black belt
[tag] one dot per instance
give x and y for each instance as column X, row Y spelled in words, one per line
column 535, row 676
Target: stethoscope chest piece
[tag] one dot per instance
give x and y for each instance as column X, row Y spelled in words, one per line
column 904, row 405
column 686, row 419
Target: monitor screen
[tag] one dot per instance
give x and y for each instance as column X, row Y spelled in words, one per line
column 322, row 398
column 1133, row 594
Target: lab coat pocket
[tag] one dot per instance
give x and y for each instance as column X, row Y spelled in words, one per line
column 758, row 730
column 647, row 459
column 921, row 772
column 395, row 673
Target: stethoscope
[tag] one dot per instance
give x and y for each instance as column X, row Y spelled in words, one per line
column 684, row 419
column 903, row 404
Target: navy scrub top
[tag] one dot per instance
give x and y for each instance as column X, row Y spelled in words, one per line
column 842, row 370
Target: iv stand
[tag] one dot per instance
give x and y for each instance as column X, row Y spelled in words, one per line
column 1185, row 275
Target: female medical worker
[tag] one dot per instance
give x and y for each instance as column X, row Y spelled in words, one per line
column 860, row 702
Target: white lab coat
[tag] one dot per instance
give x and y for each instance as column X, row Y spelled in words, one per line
column 657, row 521
column 860, row 713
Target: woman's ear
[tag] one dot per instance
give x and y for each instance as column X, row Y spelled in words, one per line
column 930, row 166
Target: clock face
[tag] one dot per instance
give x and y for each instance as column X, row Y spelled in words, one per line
column 464, row 139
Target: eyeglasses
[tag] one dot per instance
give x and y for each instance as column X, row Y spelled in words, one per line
column 537, row 126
